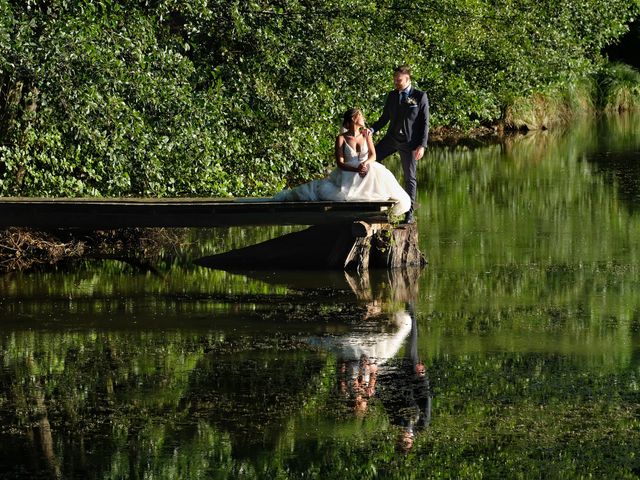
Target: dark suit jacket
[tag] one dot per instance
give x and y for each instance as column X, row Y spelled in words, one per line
column 411, row 117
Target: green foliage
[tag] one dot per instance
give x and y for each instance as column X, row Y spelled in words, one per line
column 217, row 98
column 109, row 110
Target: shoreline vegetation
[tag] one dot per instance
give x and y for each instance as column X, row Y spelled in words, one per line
column 212, row 98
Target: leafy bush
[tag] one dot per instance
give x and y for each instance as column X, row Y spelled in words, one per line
column 217, row 98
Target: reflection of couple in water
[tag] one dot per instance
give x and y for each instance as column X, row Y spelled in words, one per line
column 368, row 368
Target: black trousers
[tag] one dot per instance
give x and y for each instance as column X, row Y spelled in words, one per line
column 389, row 145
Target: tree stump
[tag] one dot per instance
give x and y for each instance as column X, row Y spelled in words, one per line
column 394, row 247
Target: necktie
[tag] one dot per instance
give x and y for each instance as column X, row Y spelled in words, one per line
column 403, row 97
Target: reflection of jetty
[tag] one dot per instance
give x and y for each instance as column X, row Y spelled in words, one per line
column 343, row 235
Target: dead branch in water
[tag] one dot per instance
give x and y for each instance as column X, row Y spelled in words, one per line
column 22, row 248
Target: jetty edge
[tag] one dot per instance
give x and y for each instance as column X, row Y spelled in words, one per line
column 341, row 235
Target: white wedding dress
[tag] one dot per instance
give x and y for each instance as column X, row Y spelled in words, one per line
column 378, row 184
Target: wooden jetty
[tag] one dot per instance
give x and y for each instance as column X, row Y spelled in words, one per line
column 342, row 235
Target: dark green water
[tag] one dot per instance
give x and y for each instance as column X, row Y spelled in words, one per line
column 526, row 323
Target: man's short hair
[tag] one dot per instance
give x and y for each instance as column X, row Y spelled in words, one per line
column 404, row 69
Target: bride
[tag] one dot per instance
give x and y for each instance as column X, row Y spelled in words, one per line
column 358, row 177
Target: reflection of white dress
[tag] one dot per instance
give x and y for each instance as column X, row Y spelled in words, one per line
column 378, row 184
column 376, row 346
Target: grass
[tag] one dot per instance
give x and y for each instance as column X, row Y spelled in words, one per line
column 618, row 88
column 615, row 88
column 555, row 106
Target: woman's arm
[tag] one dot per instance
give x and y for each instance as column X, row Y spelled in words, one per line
column 363, row 168
column 339, row 154
column 372, row 149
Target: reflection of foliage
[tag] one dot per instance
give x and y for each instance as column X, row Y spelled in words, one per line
column 533, row 197
column 510, row 308
column 95, row 384
column 524, row 238
column 152, row 452
column 536, row 415
column 617, row 159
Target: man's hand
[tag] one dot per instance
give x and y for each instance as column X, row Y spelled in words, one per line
column 418, row 153
column 367, row 132
column 363, row 168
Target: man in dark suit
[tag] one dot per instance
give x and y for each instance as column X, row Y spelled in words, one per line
column 407, row 110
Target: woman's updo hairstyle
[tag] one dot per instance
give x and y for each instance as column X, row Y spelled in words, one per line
column 349, row 116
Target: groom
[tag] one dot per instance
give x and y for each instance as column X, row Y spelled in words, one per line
column 407, row 109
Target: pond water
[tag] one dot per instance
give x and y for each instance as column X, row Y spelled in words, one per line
column 514, row 354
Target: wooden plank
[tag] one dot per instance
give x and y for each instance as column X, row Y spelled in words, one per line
column 96, row 213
